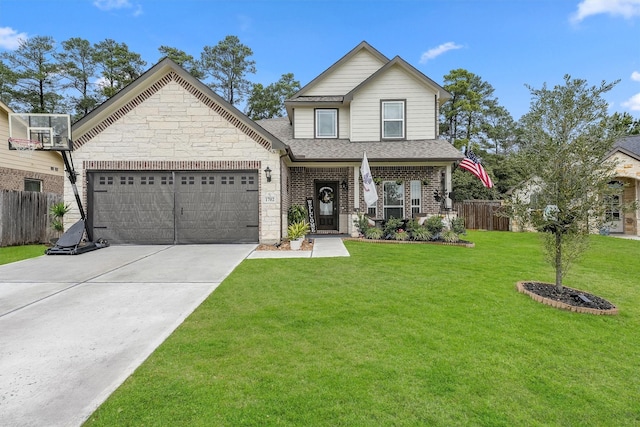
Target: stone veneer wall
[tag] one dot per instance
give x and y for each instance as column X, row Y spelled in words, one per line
column 172, row 127
column 628, row 171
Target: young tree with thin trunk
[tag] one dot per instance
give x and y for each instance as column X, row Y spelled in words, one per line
column 566, row 135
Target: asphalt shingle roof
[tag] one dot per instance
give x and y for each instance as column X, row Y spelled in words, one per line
column 345, row 150
column 630, row 144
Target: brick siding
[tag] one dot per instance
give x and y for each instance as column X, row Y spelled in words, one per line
column 13, row 179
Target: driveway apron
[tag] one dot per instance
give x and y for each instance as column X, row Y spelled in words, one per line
column 73, row 328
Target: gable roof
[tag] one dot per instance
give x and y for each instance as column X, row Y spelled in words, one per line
column 410, row 69
column 5, row 108
column 148, row 84
column 300, row 99
column 343, row 150
column 629, row 145
column 346, row 58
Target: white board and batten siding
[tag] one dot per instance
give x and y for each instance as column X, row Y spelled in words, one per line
column 347, row 76
column 395, row 84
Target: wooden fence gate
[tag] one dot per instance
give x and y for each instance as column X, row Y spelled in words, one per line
column 24, row 217
column 482, row 215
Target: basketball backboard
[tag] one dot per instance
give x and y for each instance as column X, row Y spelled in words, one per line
column 40, row 131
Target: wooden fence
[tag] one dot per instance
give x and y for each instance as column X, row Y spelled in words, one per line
column 482, row 215
column 24, row 217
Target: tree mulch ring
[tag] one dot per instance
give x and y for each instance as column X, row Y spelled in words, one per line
column 569, row 299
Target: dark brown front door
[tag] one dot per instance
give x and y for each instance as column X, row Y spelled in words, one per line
column 327, row 205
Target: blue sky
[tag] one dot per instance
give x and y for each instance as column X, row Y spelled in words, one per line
column 508, row 43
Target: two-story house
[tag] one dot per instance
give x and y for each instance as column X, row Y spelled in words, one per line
column 166, row 160
column 365, row 102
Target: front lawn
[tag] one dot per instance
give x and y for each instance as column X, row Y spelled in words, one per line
column 399, row 335
column 16, row 253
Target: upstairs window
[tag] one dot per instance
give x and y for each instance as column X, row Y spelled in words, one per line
column 393, row 119
column 326, row 123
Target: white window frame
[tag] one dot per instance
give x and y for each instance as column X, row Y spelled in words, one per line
column 384, row 120
column 415, row 194
column 319, row 112
column 386, row 206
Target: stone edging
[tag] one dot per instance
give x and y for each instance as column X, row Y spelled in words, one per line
column 562, row 305
column 358, row 239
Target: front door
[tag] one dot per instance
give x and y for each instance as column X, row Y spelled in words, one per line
column 327, row 202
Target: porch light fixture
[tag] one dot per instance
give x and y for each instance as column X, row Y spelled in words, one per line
column 344, row 185
column 267, row 173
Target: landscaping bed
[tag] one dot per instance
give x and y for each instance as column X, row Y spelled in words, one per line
column 569, row 299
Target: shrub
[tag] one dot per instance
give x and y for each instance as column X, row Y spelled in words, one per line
column 373, row 233
column 362, row 223
column 450, row 236
column 392, row 225
column 434, row 224
column 401, row 235
column 296, row 213
column 457, row 225
column 413, row 224
column 421, row 234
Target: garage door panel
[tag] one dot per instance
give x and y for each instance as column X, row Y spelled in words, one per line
column 179, row 207
column 133, row 207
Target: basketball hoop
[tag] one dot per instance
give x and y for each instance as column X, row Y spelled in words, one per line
column 25, row 147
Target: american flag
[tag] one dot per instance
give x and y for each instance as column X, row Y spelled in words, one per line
column 472, row 163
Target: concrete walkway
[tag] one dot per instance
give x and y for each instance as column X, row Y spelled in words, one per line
column 74, row 327
column 323, row 247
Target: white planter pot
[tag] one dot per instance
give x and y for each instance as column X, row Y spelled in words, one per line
column 296, row 244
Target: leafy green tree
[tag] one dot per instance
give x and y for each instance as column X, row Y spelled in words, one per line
column 268, row 102
column 118, row 66
column 183, row 59
column 8, row 79
column 33, row 76
column 498, row 130
column 78, row 66
column 625, row 124
column 463, row 115
column 566, row 134
column 228, row 64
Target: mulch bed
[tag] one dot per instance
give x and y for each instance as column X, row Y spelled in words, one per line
column 284, row 246
column 570, row 299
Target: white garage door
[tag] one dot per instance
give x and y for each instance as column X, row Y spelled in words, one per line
column 174, row 207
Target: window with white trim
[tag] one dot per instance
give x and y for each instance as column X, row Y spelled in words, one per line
column 393, row 199
column 416, row 197
column 32, row 185
column 326, row 123
column 393, row 119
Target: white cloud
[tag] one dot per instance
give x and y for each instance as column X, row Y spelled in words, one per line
column 10, row 38
column 635, row 76
column 625, row 8
column 107, row 5
column 633, row 103
column 437, row 51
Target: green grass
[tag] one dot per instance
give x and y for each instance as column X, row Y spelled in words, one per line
column 400, row 335
column 16, row 253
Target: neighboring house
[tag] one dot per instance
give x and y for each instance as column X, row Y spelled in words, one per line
column 626, row 152
column 166, row 160
column 41, row 171
column 365, row 102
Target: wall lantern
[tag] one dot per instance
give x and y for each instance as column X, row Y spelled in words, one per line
column 344, row 185
column 267, row 173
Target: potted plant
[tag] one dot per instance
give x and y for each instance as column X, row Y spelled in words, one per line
column 296, row 233
column 296, row 213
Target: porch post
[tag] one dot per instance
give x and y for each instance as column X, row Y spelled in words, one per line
column 447, row 187
column 356, row 187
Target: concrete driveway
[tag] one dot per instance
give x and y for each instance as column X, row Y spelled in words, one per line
column 74, row 327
